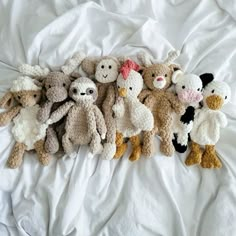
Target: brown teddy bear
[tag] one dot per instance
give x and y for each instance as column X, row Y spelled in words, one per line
column 28, row 132
column 157, row 77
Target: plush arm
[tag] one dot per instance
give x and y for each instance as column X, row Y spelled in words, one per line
column 109, row 100
column 7, row 116
column 177, row 106
column 144, row 95
column 221, row 119
column 60, row 112
column 101, row 125
column 119, row 108
column 44, row 112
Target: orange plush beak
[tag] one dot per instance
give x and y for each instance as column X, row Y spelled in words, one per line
column 122, row 92
column 214, row 102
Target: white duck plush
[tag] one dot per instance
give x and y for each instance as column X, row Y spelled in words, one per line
column 208, row 122
column 132, row 116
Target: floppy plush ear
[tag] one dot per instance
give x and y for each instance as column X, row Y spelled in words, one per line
column 206, row 79
column 35, row 71
column 176, row 76
column 39, row 81
column 7, row 100
column 89, row 65
column 145, row 58
column 74, row 75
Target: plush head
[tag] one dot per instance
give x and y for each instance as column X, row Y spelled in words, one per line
column 24, row 91
column 188, row 87
column 157, row 76
column 129, row 81
column 57, row 85
column 83, row 90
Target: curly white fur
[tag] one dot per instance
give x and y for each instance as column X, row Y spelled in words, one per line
column 24, row 83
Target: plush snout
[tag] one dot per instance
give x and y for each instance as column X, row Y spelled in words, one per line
column 214, row 102
column 122, row 92
column 190, row 96
column 56, row 94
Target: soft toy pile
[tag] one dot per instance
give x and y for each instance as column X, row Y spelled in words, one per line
column 101, row 102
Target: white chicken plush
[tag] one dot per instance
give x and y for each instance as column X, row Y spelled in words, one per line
column 207, row 123
column 131, row 115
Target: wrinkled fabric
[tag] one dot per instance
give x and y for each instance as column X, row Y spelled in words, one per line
column 92, row 197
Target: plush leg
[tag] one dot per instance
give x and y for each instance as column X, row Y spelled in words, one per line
column 120, row 146
column 67, row 144
column 44, row 158
column 137, row 150
column 16, row 156
column 147, row 148
column 209, row 158
column 181, row 148
column 51, row 144
column 95, row 144
column 195, row 155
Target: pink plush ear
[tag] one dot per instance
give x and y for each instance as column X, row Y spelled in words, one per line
column 7, row 100
column 127, row 66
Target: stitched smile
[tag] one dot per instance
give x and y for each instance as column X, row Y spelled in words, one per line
column 104, row 76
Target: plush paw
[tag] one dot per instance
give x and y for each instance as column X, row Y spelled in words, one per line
column 136, row 153
column 109, row 150
column 120, row 151
column 13, row 163
column 147, row 151
column 210, row 160
column 44, row 159
column 194, row 158
column 167, row 148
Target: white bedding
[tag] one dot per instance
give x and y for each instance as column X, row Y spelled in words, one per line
column 92, row 197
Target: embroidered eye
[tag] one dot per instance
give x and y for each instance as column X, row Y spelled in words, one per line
column 212, row 91
column 64, row 85
column 153, row 75
column 225, row 97
column 183, row 87
column 35, row 95
column 198, row 89
column 118, row 86
column 18, row 97
column 165, row 75
column 102, row 66
column 74, row 90
column 49, row 86
column 130, row 88
column 110, row 67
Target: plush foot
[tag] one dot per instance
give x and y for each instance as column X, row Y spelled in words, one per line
column 136, row 153
column 109, row 150
column 210, row 159
column 147, row 147
column 178, row 147
column 167, row 148
column 51, row 144
column 120, row 150
column 16, row 157
column 195, row 155
column 44, row 158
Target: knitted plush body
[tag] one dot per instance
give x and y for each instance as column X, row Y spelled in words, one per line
column 207, row 123
column 84, row 122
column 27, row 131
column 56, row 85
column 105, row 70
column 188, row 88
column 132, row 116
column 162, row 103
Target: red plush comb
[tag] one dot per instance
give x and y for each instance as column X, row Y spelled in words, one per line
column 127, row 66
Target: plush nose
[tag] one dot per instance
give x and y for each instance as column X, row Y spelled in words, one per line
column 189, row 96
column 159, row 79
column 214, row 102
column 122, row 92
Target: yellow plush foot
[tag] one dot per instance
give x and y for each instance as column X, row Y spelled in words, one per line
column 120, row 150
column 210, row 159
column 195, row 155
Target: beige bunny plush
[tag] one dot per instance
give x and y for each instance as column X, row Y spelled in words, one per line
column 28, row 132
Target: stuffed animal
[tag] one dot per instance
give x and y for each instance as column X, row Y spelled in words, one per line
column 188, row 88
column 132, row 116
column 56, row 85
column 105, row 70
column 163, row 103
column 28, row 132
column 207, row 123
column 84, row 122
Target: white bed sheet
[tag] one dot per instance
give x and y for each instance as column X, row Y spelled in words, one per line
column 84, row 197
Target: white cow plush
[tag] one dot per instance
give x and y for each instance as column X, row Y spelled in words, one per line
column 188, row 88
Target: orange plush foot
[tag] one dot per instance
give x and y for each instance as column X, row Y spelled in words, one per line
column 210, row 159
column 195, row 155
column 120, row 150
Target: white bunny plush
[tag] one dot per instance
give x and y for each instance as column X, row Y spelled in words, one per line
column 208, row 122
column 132, row 116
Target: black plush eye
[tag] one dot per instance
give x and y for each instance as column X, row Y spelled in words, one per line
column 102, row 66
column 225, row 97
column 198, row 89
column 165, row 75
column 90, row 91
column 153, row 75
column 212, row 91
column 130, row 88
column 18, row 97
column 74, row 90
column 110, row 67
column 35, row 95
column 183, row 87
column 64, row 85
column 118, row 86
column 49, row 86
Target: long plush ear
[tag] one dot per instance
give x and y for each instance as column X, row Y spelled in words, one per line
column 89, row 65
column 74, row 75
column 73, row 62
column 172, row 55
column 176, row 76
column 34, row 71
column 206, row 79
column 7, row 101
column 145, row 58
